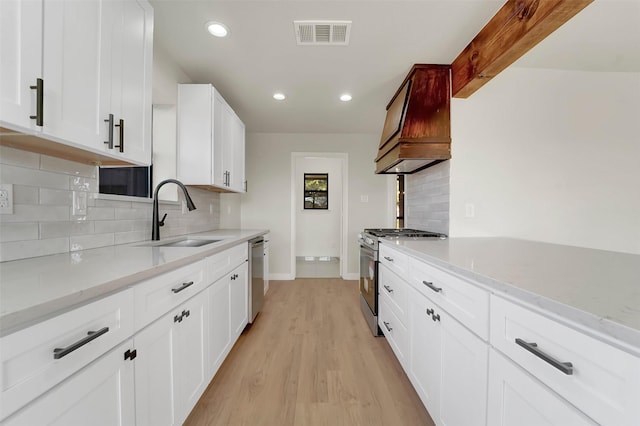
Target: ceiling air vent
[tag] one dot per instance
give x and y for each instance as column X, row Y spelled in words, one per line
column 322, row 33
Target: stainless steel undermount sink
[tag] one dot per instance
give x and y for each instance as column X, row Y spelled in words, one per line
column 185, row 242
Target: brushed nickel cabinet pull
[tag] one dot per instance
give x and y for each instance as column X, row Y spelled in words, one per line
column 565, row 367
column 121, row 126
column 109, row 140
column 39, row 88
column 431, row 286
column 182, row 287
column 91, row 335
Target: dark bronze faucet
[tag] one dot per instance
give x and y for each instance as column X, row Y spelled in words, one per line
column 157, row 223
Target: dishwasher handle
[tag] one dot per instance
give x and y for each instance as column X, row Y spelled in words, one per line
column 256, row 242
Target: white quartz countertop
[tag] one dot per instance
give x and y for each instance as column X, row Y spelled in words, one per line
column 35, row 289
column 597, row 289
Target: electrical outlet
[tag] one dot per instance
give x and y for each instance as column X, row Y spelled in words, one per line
column 6, row 198
column 470, row 210
column 79, row 203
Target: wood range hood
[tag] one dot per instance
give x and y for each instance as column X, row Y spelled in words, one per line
column 417, row 128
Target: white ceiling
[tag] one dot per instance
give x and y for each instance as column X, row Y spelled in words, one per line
column 261, row 57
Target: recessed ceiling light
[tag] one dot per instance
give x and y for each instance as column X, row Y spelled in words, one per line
column 217, row 29
column 279, row 96
column 346, row 97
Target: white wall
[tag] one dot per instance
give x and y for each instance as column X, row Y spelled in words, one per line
column 166, row 76
column 267, row 204
column 552, row 156
column 318, row 231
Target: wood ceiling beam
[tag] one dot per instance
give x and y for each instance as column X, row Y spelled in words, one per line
column 513, row 31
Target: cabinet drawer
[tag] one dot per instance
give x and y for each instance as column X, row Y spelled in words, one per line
column 394, row 260
column 155, row 297
column 517, row 399
column 394, row 331
column 224, row 262
column 604, row 382
column 28, row 365
column 394, row 289
column 463, row 300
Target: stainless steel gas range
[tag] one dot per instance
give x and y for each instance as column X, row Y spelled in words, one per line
column 368, row 241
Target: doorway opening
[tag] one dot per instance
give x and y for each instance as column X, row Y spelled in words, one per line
column 318, row 202
column 399, row 222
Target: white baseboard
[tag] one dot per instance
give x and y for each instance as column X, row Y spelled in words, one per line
column 281, row 277
column 289, row 277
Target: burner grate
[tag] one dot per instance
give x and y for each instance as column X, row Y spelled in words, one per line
column 403, row 232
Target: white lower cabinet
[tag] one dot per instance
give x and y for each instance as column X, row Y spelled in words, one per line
column 448, row 365
column 517, row 399
column 172, row 364
column 228, row 302
column 393, row 329
column 598, row 379
column 35, row 359
column 100, row 394
column 142, row 356
column 239, row 304
column 219, row 323
column 424, row 353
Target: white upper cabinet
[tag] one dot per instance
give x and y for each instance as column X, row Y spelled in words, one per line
column 94, row 60
column 71, row 70
column 237, row 172
column 127, row 82
column 210, row 139
column 20, row 61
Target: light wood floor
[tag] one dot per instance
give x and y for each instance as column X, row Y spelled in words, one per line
column 309, row 360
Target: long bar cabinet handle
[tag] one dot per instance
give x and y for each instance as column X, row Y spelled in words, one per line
column 565, row 367
column 182, row 287
column 91, row 335
column 39, row 88
column 386, row 324
column 121, row 126
column 390, row 259
column 389, row 289
column 109, row 140
column 432, row 287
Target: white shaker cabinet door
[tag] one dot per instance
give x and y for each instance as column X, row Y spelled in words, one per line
column 171, row 364
column 424, row 348
column 72, row 71
column 448, row 365
column 191, row 354
column 20, row 61
column 239, row 300
column 220, row 329
column 464, row 375
column 237, row 174
column 130, row 79
column 517, row 399
column 101, row 394
column 155, row 374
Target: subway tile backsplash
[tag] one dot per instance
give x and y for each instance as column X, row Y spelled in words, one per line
column 427, row 199
column 43, row 223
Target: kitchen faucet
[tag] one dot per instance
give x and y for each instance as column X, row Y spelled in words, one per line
column 157, row 223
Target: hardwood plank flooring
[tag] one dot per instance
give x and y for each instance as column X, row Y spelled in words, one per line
column 309, row 360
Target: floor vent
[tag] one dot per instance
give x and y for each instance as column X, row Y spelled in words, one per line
column 322, row 33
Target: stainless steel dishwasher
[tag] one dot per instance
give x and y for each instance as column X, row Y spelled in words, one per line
column 256, row 274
